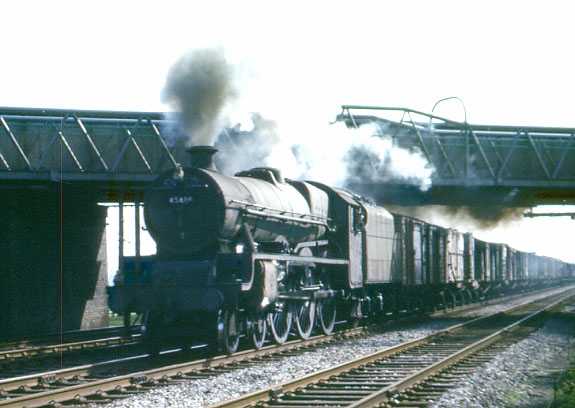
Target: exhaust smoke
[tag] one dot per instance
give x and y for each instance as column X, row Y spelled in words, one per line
column 332, row 154
column 199, row 87
column 463, row 217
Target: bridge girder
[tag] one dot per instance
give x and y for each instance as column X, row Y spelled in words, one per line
column 126, row 150
column 115, row 148
column 509, row 165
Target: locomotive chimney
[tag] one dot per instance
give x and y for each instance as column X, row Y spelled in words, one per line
column 202, row 157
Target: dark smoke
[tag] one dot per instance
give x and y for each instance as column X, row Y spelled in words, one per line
column 482, row 217
column 486, row 217
column 198, row 87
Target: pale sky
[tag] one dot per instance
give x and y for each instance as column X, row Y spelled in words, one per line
column 511, row 62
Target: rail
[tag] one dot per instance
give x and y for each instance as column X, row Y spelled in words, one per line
column 373, row 379
column 85, row 384
column 55, row 386
column 96, row 339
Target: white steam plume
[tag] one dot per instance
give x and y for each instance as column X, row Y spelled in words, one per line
column 333, row 154
column 239, row 149
column 199, row 87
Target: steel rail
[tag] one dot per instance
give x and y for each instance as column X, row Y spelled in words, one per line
column 101, row 386
column 68, row 335
column 23, row 342
column 323, row 377
column 9, row 355
column 33, row 379
column 43, row 384
column 390, row 391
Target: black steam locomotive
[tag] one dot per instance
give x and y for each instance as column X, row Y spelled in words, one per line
column 240, row 256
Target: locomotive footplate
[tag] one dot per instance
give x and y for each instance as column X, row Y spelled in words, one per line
column 177, row 298
column 177, row 286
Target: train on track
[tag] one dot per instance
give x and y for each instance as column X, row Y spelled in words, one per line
column 257, row 255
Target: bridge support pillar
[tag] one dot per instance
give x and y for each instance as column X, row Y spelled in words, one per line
column 52, row 261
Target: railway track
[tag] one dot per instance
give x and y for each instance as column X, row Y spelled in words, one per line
column 84, row 340
column 64, row 337
column 68, row 341
column 101, row 382
column 410, row 374
column 89, row 383
column 90, row 347
column 57, row 349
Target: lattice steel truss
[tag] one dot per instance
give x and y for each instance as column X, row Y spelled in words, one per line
column 55, row 145
column 127, row 147
column 477, row 155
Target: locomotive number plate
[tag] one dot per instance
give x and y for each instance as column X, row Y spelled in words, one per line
column 180, row 200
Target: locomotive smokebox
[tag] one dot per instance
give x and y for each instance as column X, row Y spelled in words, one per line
column 202, row 157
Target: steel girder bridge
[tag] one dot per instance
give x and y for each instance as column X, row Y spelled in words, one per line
column 475, row 164
column 119, row 151
column 98, row 150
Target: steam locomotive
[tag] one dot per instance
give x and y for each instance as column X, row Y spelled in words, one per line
column 238, row 257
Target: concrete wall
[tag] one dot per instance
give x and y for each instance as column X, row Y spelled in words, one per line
column 52, row 261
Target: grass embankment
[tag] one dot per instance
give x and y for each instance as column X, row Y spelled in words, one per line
column 564, row 389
